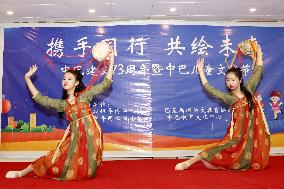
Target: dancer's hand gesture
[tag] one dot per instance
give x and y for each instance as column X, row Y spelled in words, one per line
column 31, row 72
column 200, row 64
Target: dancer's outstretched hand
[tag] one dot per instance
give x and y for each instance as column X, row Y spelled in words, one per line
column 200, row 64
column 31, row 72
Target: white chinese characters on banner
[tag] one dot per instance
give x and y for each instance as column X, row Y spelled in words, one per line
column 196, row 113
column 226, row 47
column 140, row 42
column 159, row 70
column 55, row 48
column 82, row 45
column 200, row 47
column 174, row 46
column 142, row 114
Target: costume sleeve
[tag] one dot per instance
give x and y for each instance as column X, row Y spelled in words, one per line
column 89, row 94
column 226, row 98
column 255, row 78
column 47, row 102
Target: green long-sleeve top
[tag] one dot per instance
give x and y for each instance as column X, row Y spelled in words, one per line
column 86, row 96
column 230, row 98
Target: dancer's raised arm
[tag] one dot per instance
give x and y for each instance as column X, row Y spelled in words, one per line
column 209, row 88
column 200, row 68
column 29, row 82
column 110, row 67
column 257, row 72
column 88, row 95
column 45, row 101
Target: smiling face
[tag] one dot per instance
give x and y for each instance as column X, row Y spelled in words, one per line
column 232, row 81
column 274, row 99
column 69, row 82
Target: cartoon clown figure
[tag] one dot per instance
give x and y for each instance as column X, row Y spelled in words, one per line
column 275, row 103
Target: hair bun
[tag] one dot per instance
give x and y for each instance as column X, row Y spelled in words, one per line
column 80, row 75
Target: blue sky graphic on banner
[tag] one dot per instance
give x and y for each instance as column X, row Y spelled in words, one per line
column 156, row 87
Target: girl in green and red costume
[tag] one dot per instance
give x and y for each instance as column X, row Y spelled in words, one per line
column 246, row 144
column 79, row 153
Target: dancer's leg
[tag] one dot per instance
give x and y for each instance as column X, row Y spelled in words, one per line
column 186, row 164
column 15, row 174
column 275, row 115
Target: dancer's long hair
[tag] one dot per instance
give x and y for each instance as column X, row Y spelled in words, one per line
column 80, row 87
column 238, row 73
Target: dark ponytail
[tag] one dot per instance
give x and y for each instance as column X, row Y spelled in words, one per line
column 248, row 97
column 238, row 72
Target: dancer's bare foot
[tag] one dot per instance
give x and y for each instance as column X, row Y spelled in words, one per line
column 16, row 174
column 182, row 166
column 186, row 164
column 13, row 174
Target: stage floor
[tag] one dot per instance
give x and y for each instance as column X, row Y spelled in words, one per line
column 155, row 173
